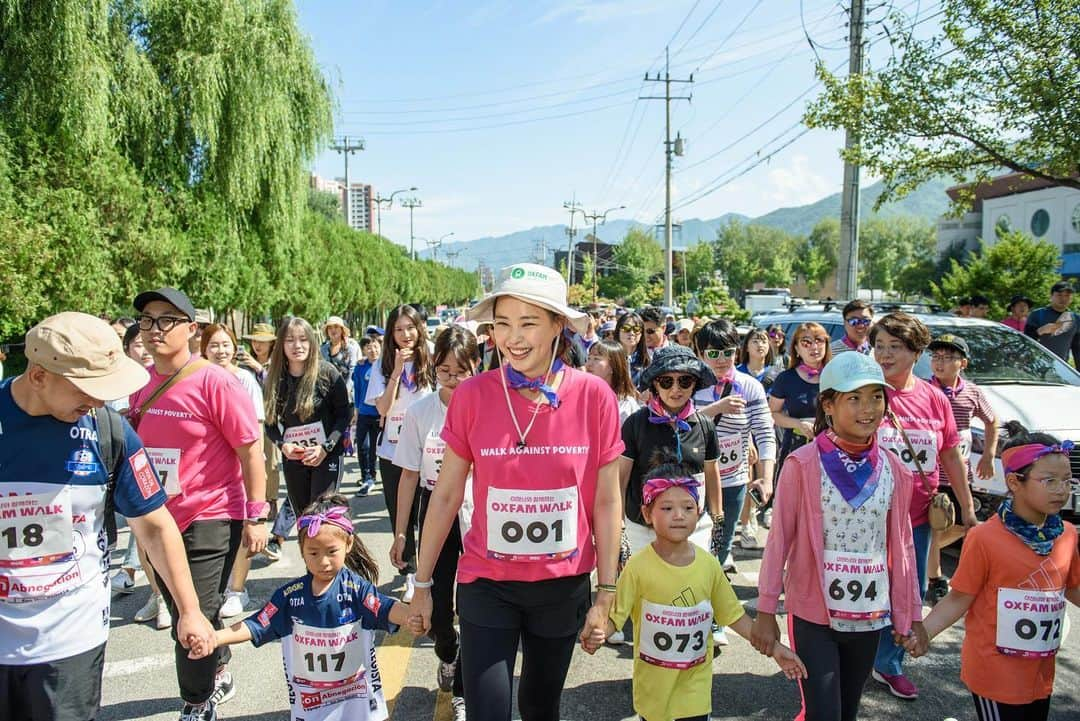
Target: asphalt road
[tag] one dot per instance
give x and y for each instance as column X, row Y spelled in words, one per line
column 140, row 682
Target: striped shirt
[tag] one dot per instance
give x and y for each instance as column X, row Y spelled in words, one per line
column 967, row 400
column 735, row 432
column 844, row 344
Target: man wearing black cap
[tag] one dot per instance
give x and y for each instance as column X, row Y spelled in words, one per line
column 200, row 429
column 1055, row 326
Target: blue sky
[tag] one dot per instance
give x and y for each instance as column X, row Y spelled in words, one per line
column 500, row 110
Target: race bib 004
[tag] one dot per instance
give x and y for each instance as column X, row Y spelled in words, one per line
column 923, row 443
column 1029, row 622
column 675, row 636
column 856, row 585
column 532, row 525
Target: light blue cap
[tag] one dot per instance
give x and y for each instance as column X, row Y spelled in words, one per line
column 850, row 371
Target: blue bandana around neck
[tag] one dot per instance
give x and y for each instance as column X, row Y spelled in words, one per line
column 1038, row 538
column 518, row 380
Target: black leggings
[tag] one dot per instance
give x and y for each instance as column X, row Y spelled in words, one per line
column 988, row 710
column 442, row 594
column 304, row 484
column 837, row 664
column 391, row 477
column 487, row 658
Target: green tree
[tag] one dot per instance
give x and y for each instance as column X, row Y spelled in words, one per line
column 889, row 245
column 637, row 259
column 817, row 255
column 748, row 254
column 1014, row 265
column 700, row 262
column 996, row 88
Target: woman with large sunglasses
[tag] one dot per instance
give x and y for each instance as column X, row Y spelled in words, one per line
column 630, row 332
column 670, row 425
column 793, row 396
column 776, row 340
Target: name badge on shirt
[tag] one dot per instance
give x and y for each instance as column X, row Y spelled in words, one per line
column 1029, row 622
column 856, row 585
column 532, row 525
column 675, row 636
column 37, row 553
column 167, row 464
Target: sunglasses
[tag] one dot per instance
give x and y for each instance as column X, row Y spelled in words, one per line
column 652, row 331
column 811, row 342
column 685, row 382
column 632, row 329
column 773, row 334
column 859, row 322
column 715, row 353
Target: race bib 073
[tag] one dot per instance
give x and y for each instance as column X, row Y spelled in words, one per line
column 675, row 636
column 532, row 525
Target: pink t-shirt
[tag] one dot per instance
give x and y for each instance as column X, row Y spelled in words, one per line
column 1015, row 324
column 532, row 506
column 927, row 418
column 191, row 433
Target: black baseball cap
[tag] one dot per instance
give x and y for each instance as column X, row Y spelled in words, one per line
column 1061, row 285
column 169, row 295
column 1018, row 299
column 948, row 340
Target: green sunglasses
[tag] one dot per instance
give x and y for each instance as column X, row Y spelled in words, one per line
column 715, row 353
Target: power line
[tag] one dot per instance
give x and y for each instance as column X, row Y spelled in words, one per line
column 700, row 26
column 729, row 35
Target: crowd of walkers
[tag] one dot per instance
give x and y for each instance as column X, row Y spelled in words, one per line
column 552, row 477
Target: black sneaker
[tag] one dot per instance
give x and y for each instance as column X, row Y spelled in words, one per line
column 273, row 550
column 224, row 689
column 937, row 589
column 199, row 712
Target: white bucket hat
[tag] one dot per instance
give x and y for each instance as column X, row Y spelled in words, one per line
column 534, row 284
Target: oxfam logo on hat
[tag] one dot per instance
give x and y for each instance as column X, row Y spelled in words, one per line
column 517, row 273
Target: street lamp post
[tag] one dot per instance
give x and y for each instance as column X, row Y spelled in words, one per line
column 379, row 200
column 594, row 217
column 412, row 204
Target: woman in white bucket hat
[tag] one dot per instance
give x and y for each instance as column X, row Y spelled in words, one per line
column 542, row 441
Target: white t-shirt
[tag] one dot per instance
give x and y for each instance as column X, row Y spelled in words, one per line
column 420, row 447
column 627, row 407
column 395, row 419
column 251, row 385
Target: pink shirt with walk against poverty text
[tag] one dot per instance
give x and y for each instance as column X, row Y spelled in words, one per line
column 191, row 433
column 532, row 506
column 927, row 418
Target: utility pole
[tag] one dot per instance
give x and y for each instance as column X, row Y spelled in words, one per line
column 451, row 255
column 671, row 148
column 848, row 277
column 541, row 251
column 573, row 206
column 347, row 147
column 602, row 217
column 379, row 200
column 411, row 204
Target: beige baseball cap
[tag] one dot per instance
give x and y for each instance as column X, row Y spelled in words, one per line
column 86, row 351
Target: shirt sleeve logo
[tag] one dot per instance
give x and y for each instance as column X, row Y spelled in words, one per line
column 266, row 614
column 372, row 603
column 145, row 478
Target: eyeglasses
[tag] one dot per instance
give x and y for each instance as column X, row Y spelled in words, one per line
column 685, row 382
column 652, row 331
column 945, row 357
column 775, row 335
column 443, row 373
column 715, row 353
column 811, row 342
column 165, row 323
column 632, row 329
column 859, row 322
column 1057, row 484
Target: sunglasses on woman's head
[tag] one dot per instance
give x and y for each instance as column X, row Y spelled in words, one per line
column 715, row 353
column 666, row 382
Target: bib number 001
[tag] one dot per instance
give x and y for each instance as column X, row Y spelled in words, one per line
column 532, row 525
column 536, row 532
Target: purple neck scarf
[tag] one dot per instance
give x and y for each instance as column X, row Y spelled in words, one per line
column 658, row 415
column 408, row 377
column 856, row 477
column 952, row 392
column 518, row 380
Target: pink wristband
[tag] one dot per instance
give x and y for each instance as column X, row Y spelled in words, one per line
column 257, row 509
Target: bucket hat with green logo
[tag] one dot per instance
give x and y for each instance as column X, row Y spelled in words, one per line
column 534, row 284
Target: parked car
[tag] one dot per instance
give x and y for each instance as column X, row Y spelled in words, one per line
column 1022, row 381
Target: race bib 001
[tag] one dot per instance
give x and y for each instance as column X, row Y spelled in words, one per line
column 730, row 457
column 856, row 585
column 1029, row 622
column 326, row 657
column 923, row 443
column 675, row 636
column 167, row 464
column 532, row 525
column 37, row 551
column 431, row 459
column 309, row 435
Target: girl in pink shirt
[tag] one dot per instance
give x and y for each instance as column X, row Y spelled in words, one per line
column 840, row 546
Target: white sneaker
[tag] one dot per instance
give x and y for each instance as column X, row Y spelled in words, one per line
column 122, row 583
column 234, row 604
column 164, row 618
column 457, row 704
column 150, row 609
column 616, row 639
column 410, row 588
column 719, row 637
column 748, row 536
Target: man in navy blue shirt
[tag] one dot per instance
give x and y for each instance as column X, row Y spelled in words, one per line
column 1055, row 326
column 54, row 587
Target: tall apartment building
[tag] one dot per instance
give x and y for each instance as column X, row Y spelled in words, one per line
column 361, row 203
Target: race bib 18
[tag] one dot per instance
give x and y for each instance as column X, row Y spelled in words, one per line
column 923, row 443
column 532, row 525
column 1029, row 622
column 37, row 551
column 856, row 585
column 167, row 464
column 675, row 636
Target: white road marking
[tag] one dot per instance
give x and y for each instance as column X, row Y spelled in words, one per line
column 142, row 664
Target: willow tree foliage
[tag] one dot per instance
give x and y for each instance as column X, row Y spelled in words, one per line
column 996, row 88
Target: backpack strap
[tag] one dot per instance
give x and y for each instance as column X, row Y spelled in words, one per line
column 110, row 431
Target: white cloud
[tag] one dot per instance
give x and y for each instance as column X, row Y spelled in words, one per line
column 796, row 183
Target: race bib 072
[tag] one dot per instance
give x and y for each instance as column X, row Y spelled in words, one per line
column 1029, row 622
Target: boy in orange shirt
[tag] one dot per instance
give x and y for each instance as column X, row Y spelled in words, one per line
column 1016, row 572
